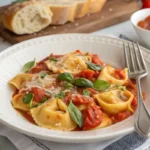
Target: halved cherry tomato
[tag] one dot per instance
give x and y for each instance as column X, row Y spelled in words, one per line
column 38, row 68
column 96, row 74
column 119, row 74
column 88, row 74
column 96, row 60
column 92, row 117
column 78, row 99
column 79, row 51
column 39, row 94
column 121, row 116
column 92, row 91
column 146, row 3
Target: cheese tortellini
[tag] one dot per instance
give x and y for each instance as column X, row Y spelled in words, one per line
column 115, row 101
column 53, row 114
column 19, row 79
column 72, row 63
column 107, row 75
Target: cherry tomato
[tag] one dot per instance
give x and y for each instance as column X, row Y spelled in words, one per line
column 39, row 94
column 92, row 91
column 78, row 99
column 79, row 51
column 88, row 74
column 39, row 67
column 96, row 60
column 120, row 74
column 121, row 116
column 146, row 3
column 92, row 117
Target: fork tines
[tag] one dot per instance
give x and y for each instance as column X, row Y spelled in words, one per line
column 134, row 59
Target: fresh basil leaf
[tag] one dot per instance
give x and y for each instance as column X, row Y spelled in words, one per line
column 28, row 66
column 75, row 114
column 68, row 85
column 117, row 86
column 28, row 98
column 83, row 82
column 94, row 66
column 43, row 75
column 60, row 95
column 44, row 99
column 101, row 85
column 36, row 105
column 86, row 92
column 19, row 1
column 65, row 77
column 123, row 88
column 53, row 59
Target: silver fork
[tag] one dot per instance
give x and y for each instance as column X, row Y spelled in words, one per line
column 137, row 70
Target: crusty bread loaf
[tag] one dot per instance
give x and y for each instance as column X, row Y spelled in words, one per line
column 82, row 7
column 27, row 17
column 63, row 11
column 96, row 5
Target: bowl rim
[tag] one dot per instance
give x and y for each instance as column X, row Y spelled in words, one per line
column 135, row 25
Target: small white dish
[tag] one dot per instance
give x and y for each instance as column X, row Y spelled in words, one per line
column 144, row 35
column 110, row 51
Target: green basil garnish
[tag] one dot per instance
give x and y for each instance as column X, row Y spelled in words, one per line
column 44, row 99
column 43, row 75
column 52, row 59
column 123, row 88
column 86, row 92
column 68, row 85
column 101, row 85
column 65, row 77
column 93, row 66
column 60, row 95
column 83, row 82
column 75, row 114
column 28, row 66
column 117, row 86
column 28, row 98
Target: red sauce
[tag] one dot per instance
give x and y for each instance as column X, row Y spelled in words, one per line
column 27, row 116
column 145, row 24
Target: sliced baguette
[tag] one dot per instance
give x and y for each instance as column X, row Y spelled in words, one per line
column 27, row 17
column 82, row 7
column 63, row 11
column 96, row 5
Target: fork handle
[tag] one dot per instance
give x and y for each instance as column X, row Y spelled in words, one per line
column 142, row 119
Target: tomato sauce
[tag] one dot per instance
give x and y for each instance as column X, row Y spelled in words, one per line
column 27, row 116
column 145, row 24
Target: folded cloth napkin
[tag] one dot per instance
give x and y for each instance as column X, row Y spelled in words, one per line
column 24, row 142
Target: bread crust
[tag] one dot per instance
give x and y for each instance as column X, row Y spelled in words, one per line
column 11, row 12
column 96, row 5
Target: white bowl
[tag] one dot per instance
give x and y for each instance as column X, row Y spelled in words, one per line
column 110, row 51
column 144, row 35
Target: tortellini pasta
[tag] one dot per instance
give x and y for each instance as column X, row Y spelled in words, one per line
column 19, row 79
column 115, row 101
column 53, row 114
column 72, row 63
column 17, row 102
column 105, row 122
column 107, row 75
